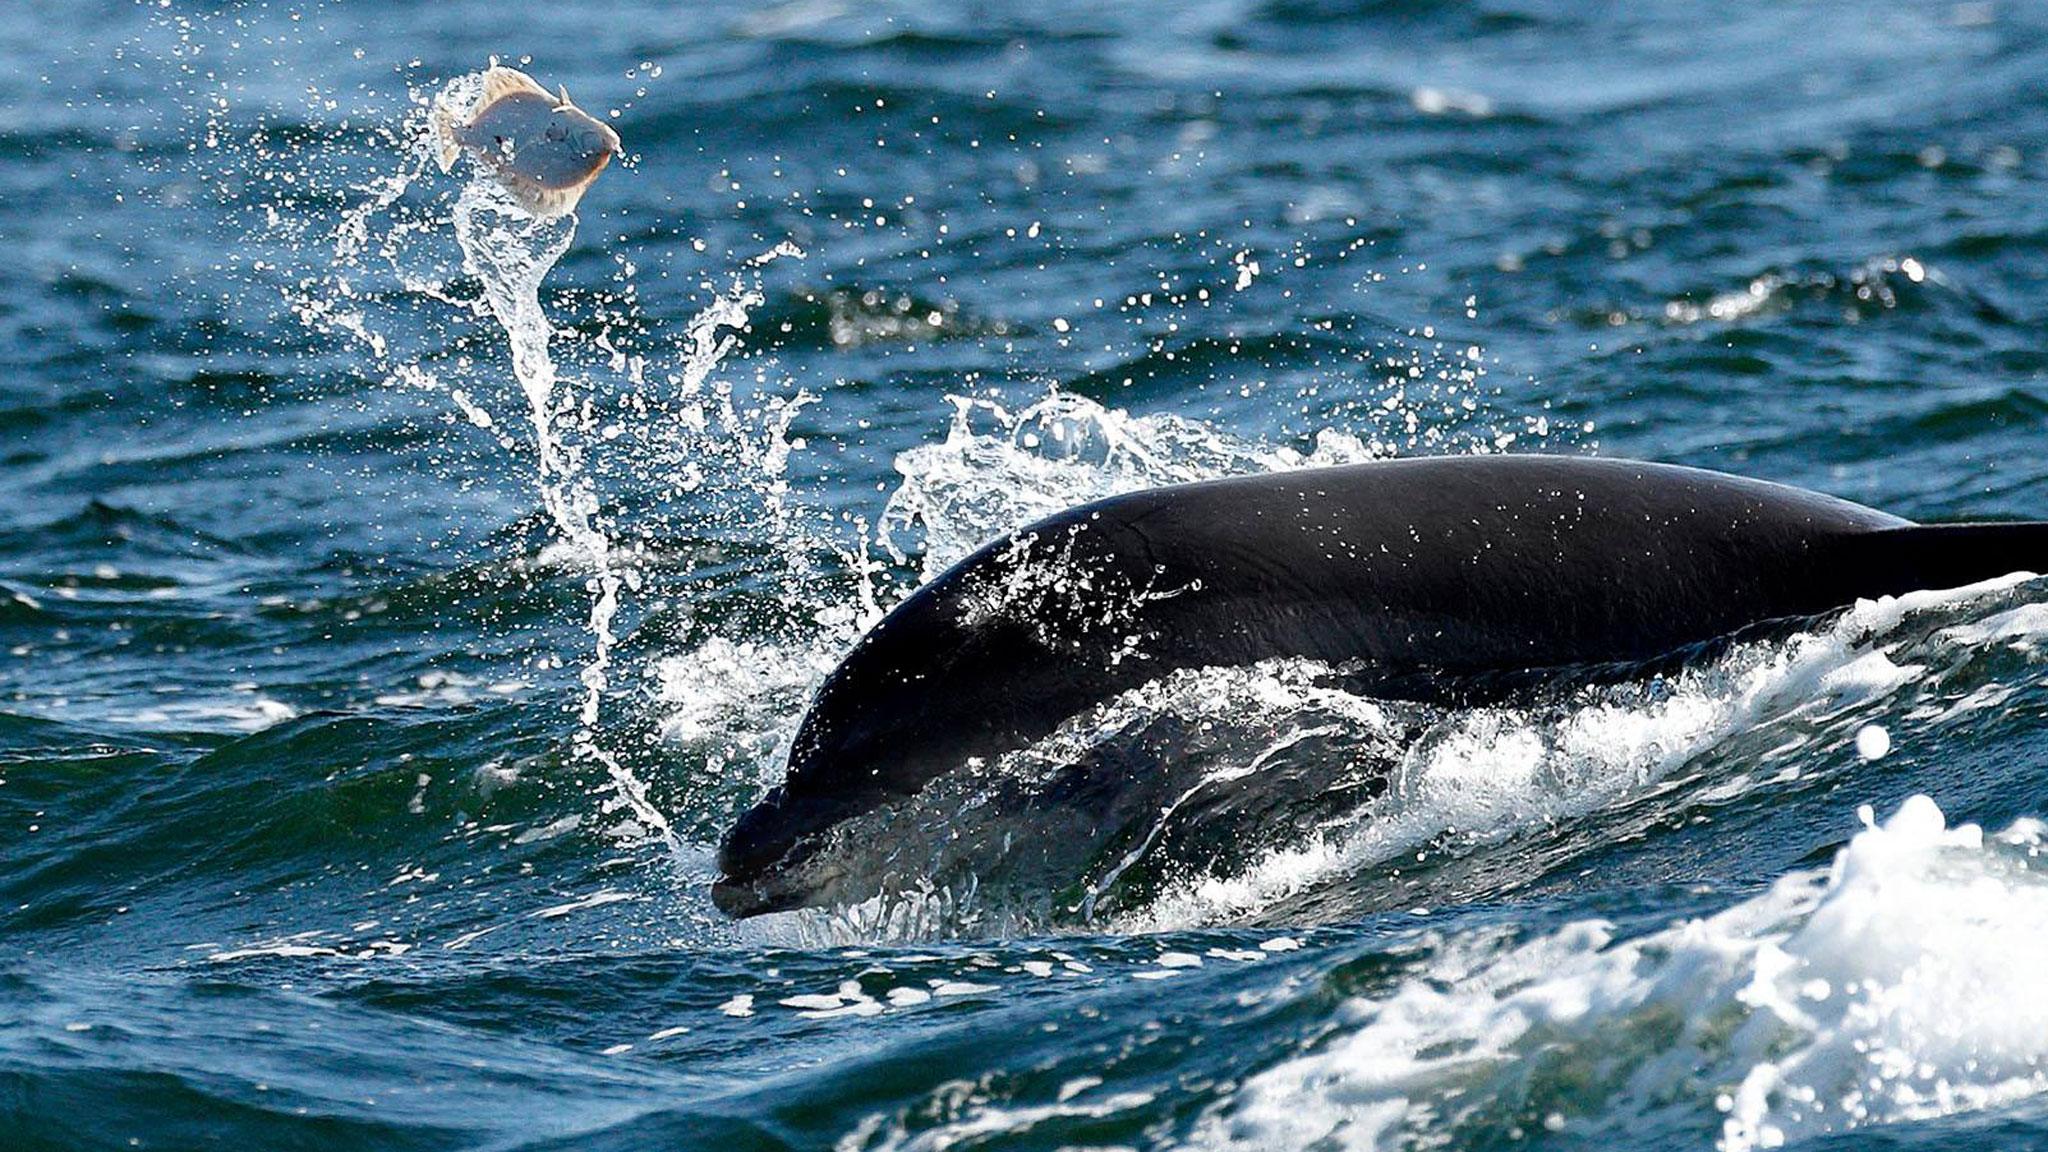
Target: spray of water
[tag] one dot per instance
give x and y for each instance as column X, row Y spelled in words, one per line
column 397, row 228
column 511, row 252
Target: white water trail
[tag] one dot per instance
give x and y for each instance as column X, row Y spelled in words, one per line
column 511, row 252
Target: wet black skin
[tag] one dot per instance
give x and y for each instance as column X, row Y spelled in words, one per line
column 1422, row 578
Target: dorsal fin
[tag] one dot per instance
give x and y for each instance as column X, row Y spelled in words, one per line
column 565, row 97
column 501, row 81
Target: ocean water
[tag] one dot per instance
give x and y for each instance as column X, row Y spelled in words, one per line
column 400, row 597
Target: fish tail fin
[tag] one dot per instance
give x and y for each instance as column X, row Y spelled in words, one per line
column 1935, row 556
column 445, row 137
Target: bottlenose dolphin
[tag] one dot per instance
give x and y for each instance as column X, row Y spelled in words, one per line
column 1438, row 579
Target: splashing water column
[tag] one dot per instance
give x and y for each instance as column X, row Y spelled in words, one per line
column 511, row 252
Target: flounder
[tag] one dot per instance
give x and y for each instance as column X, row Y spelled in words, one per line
column 543, row 149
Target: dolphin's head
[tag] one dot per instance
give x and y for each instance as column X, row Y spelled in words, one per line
column 944, row 682
column 864, row 742
column 769, row 861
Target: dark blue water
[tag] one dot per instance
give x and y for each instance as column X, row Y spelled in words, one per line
column 369, row 716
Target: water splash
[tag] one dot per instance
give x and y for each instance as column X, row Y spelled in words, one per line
column 395, row 229
column 998, row 469
column 1898, row 984
column 511, row 252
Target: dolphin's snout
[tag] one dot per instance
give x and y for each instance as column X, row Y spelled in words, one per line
column 767, row 843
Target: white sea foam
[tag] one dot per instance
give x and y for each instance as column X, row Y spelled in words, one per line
column 1909, row 980
column 248, row 711
column 738, row 701
column 1484, row 775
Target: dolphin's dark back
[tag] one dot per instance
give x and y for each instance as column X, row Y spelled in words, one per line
column 1417, row 575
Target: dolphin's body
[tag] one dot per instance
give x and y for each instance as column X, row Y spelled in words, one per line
column 1434, row 579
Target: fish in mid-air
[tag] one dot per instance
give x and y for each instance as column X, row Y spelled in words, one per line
column 539, row 145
